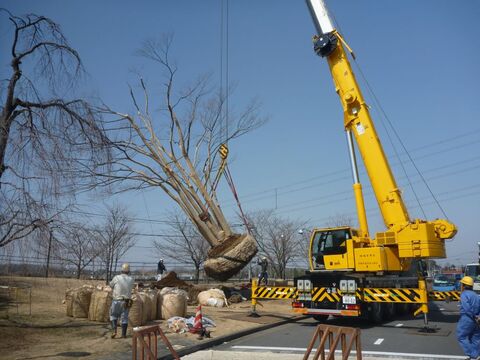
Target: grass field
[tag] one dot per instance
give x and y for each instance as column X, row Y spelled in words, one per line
column 49, row 333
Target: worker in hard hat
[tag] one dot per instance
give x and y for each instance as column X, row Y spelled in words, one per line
column 263, row 270
column 122, row 286
column 468, row 331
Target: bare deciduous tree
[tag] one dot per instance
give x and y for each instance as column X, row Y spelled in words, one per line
column 174, row 145
column 278, row 239
column 78, row 246
column 183, row 243
column 340, row 220
column 42, row 135
column 114, row 238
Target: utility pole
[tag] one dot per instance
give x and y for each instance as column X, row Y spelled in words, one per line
column 478, row 243
column 48, row 252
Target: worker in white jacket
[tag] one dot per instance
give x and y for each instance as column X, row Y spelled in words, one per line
column 122, row 286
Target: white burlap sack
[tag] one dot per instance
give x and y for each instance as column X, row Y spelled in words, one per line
column 153, row 295
column 212, row 297
column 159, row 305
column 173, row 304
column 81, row 301
column 69, row 301
column 100, row 306
column 146, row 308
column 173, row 290
column 135, row 315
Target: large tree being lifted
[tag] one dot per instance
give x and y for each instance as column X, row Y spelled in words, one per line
column 176, row 147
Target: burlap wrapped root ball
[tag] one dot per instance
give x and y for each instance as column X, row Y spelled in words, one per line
column 231, row 256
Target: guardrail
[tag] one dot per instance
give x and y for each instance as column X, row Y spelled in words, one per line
column 418, row 295
column 347, row 337
column 270, row 292
column 145, row 342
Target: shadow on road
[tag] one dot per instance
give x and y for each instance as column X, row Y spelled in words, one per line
column 435, row 316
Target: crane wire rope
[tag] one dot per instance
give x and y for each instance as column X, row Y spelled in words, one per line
column 225, row 96
column 410, row 158
column 386, row 117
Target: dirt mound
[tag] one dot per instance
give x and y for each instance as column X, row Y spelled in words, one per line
column 171, row 280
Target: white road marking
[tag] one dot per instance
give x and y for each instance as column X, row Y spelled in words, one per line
column 364, row 352
column 441, row 309
column 399, row 325
column 378, row 342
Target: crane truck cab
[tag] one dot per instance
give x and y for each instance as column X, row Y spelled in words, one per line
column 473, row 270
column 329, row 247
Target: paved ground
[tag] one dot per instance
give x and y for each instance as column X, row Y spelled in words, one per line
column 237, row 355
column 401, row 338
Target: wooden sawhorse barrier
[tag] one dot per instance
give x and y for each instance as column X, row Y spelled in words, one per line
column 145, row 342
column 334, row 334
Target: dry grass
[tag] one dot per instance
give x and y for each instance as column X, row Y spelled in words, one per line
column 48, row 332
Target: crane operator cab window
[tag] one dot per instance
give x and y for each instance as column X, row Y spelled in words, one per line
column 328, row 242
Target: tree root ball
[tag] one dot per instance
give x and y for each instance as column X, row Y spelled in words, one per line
column 231, row 256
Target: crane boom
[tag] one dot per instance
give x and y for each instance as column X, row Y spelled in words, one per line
column 357, row 119
column 404, row 238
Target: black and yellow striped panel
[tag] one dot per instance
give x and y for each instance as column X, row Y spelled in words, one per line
column 324, row 294
column 390, row 295
column 274, row 292
column 444, row 295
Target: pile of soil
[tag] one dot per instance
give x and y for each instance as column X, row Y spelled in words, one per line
column 171, row 280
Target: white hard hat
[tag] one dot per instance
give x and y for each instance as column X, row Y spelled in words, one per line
column 126, row 268
column 264, row 258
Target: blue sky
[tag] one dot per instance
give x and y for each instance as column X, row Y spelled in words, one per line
column 420, row 57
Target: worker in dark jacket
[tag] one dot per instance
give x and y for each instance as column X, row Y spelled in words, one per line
column 468, row 331
column 160, row 269
column 263, row 270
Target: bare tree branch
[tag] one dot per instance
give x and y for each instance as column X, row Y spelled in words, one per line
column 43, row 136
column 115, row 238
column 183, row 243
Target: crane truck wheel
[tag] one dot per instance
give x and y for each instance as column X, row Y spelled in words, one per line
column 402, row 309
column 389, row 310
column 375, row 313
column 321, row 318
column 231, row 256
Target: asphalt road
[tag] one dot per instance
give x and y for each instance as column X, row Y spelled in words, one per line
column 391, row 339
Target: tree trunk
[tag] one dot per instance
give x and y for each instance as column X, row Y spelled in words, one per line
column 197, row 273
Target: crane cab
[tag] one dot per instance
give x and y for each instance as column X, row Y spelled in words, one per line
column 341, row 249
column 332, row 248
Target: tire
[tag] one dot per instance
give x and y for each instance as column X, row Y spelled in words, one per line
column 402, row 309
column 320, row 318
column 376, row 313
column 389, row 310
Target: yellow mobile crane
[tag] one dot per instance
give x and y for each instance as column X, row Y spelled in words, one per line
column 352, row 272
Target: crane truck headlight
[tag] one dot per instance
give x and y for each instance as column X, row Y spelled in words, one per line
column 348, row 286
column 307, row 285
column 351, row 286
column 300, row 285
